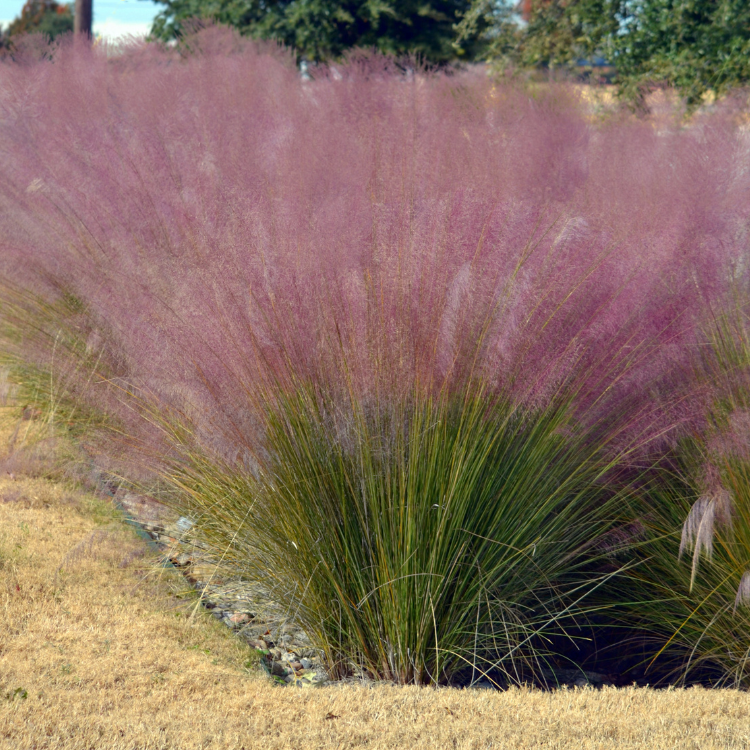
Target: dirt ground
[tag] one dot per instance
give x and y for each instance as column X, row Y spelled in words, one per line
column 101, row 648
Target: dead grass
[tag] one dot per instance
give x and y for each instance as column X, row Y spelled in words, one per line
column 101, row 646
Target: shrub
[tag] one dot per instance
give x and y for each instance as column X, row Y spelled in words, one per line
column 692, row 588
column 414, row 540
column 279, row 276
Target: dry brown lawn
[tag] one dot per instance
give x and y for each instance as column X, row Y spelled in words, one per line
column 98, row 650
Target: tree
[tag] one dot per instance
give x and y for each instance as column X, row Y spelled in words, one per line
column 37, row 16
column 84, row 17
column 42, row 17
column 325, row 29
column 693, row 45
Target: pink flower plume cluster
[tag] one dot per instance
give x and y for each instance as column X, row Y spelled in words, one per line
column 233, row 230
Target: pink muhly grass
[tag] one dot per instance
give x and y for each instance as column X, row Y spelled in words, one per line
column 234, row 227
column 233, row 235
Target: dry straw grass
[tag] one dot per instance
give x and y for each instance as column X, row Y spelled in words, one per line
column 101, row 646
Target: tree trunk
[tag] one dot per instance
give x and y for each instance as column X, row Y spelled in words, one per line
column 83, row 17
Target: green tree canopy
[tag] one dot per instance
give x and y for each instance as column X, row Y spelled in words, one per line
column 693, row 45
column 324, row 29
column 42, row 17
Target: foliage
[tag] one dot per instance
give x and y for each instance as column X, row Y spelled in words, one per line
column 47, row 349
column 695, row 46
column 687, row 599
column 428, row 542
column 60, row 375
column 326, row 29
column 557, row 34
column 372, row 291
column 42, row 17
column 698, row 611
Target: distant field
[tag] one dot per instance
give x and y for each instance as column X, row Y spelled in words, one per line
column 98, row 651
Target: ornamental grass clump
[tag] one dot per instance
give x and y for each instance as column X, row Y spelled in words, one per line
column 693, row 590
column 401, row 343
column 423, row 541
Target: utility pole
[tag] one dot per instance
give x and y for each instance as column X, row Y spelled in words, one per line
column 83, row 18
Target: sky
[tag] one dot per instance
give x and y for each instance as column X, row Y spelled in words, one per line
column 112, row 18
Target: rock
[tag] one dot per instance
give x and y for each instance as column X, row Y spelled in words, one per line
column 314, row 677
column 305, row 663
column 176, row 530
column 182, row 561
column 482, row 685
column 278, row 669
column 238, row 619
column 599, row 678
column 184, row 524
column 147, row 511
column 305, row 679
column 295, row 665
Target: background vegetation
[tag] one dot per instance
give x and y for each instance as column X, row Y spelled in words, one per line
column 38, row 17
column 699, row 48
column 694, row 46
column 322, row 29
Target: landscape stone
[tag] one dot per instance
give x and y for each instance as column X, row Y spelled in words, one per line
column 239, row 618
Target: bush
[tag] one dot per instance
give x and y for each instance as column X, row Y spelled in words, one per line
column 692, row 591
column 373, row 291
column 414, row 541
